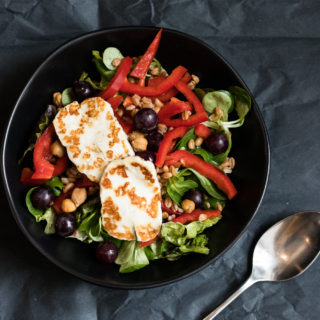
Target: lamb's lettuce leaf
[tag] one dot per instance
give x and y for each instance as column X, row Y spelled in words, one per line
column 131, row 257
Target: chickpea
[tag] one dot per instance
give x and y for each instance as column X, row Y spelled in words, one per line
column 68, row 205
column 139, row 144
column 79, row 196
column 57, row 149
column 188, row 205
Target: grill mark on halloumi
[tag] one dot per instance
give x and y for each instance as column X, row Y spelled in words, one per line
column 132, row 185
column 92, row 136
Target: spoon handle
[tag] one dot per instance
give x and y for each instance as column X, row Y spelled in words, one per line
column 224, row 304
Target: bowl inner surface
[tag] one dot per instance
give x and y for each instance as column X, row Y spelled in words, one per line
column 58, row 71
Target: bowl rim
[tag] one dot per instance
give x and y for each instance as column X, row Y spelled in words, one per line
column 10, row 197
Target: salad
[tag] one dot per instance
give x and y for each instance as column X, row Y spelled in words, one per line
column 136, row 161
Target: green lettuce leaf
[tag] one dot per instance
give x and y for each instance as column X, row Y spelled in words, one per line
column 131, row 257
column 208, row 186
column 50, row 217
column 178, row 185
column 56, row 185
column 37, row 213
column 198, row 245
column 206, row 155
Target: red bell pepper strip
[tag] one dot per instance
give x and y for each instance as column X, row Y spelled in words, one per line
column 191, row 121
column 126, row 126
column 115, row 101
column 202, row 131
column 167, row 144
column 164, row 86
column 173, row 91
column 142, row 82
column 26, row 179
column 148, row 243
column 190, row 95
column 154, row 82
column 45, row 170
column 194, row 216
column 140, row 70
column 208, row 170
column 172, row 108
column 117, row 79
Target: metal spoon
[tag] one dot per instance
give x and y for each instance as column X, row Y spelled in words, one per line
column 283, row 252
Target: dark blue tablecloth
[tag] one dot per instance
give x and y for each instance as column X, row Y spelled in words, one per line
column 275, row 46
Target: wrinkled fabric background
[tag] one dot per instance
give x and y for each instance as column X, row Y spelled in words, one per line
column 275, row 46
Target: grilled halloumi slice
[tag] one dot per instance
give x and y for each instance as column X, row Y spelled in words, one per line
column 92, row 136
column 131, row 199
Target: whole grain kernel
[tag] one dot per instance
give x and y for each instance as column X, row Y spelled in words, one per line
column 175, row 207
column 207, row 204
column 191, row 84
column 198, row 142
column 166, row 175
column 130, row 107
column 135, row 134
column 134, row 112
column 173, row 170
column 116, row 62
column 120, row 112
column 57, row 99
column 155, row 71
column 162, row 128
column 165, row 215
column 202, row 217
column 168, row 202
column 218, row 111
column 65, row 180
column 191, row 144
column 136, row 99
column 165, row 168
column 158, row 103
column 195, row 78
column 219, row 206
column 67, row 187
column 186, row 114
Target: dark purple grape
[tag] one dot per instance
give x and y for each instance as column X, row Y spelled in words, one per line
column 146, row 155
column 195, row 196
column 107, row 252
column 66, row 224
column 42, row 197
column 217, row 143
column 154, row 139
column 145, row 120
column 82, row 90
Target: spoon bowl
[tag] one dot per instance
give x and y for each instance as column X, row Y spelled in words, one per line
column 283, row 252
column 288, row 248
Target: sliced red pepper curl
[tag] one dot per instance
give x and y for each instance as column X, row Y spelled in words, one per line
column 126, row 126
column 208, row 170
column 194, row 216
column 154, row 82
column 115, row 101
column 167, row 144
column 118, row 79
column 202, row 131
column 143, row 65
column 191, row 121
column 172, row 108
column 26, row 179
column 44, row 170
column 148, row 243
column 164, row 86
column 142, row 82
column 191, row 97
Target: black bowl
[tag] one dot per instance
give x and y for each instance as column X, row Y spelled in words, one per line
column 58, row 71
